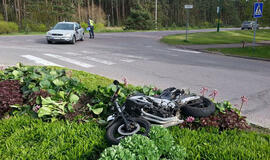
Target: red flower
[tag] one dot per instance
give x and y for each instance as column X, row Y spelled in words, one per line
column 214, row 94
column 203, row 90
column 125, row 81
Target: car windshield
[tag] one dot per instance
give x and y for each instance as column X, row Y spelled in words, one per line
column 246, row 22
column 63, row 26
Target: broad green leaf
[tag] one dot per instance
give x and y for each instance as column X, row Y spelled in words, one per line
column 17, row 73
column 32, row 85
column 15, row 106
column 47, row 101
column 35, row 76
column 97, row 111
column 114, row 88
column 62, row 94
column 36, row 89
column 61, row 106
column 73, row 98
column 58, row 82
column 53, row 73
column 145, row 90
column 45, row 84
column 52, row 92
column 44, row 111
column 151, row 93
column 70, row 108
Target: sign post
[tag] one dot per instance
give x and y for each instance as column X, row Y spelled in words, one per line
column 187, row 7
column 218, row 12
column 257, row 13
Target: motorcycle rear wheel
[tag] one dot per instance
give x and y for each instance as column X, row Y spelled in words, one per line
column 203, row 108
column 113, row 136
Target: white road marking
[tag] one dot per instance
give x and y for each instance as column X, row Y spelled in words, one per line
column 183, row 50
column 40, row 60
column 71, row 53
column 78, row 63
column 127, row 60
column 129, row 56
column 89, row 52
column 99, row 60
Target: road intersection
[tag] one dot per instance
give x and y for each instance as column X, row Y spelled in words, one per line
column 143, row 60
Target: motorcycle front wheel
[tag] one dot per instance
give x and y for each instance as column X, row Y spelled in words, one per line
column 117, row 130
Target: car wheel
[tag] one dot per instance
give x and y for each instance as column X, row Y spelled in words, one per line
column 49, row 42
column 73, row 41
column 242, row 28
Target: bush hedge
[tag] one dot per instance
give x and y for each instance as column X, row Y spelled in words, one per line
column 28, row 138
column 8, row 27
column 210, row 143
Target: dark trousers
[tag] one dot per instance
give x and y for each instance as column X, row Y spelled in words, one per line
column 91, row 32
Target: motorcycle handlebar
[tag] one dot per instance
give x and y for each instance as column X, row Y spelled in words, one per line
column 115, row 95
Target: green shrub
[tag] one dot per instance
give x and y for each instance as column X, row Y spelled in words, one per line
column 117, row 152
column 141, row 146
column 210, row 143
column 84, row 25
column 42, row 28
column 13, row 27
column 162, row 138
column 139, row 19
column 177, row 152
column 165, row 143
column 4, row 27
column 8, row 27
column 99, row 27
column 1, row 17
column 27, row 138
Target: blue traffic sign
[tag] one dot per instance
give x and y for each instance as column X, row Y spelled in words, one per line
column 258, row 10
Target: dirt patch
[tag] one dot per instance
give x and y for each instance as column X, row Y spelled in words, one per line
column 81, row 111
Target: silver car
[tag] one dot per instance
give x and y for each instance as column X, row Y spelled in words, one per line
column 65, row 32
column 249, row 25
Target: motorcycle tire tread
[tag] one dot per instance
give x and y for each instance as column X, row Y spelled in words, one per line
column 113, row 128
column 198, row 112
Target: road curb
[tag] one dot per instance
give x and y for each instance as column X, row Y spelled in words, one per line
column 245, row 57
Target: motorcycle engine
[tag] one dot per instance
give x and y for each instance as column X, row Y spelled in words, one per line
column 157, row 106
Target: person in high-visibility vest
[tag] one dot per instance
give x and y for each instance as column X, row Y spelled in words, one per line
column 91, row 26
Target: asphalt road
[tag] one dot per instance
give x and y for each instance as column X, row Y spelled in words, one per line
column 143, row 60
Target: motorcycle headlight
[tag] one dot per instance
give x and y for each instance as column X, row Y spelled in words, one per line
column 68, row 35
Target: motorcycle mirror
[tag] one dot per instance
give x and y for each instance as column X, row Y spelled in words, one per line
column 115, row 82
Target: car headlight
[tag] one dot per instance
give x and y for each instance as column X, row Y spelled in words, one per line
column 68, row 35
column 49, row 34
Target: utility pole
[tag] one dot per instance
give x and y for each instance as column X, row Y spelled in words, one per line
column 108, row 19
column 218, row 12
column 156, row 15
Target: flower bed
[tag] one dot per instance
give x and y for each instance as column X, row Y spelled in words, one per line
column 50, row 95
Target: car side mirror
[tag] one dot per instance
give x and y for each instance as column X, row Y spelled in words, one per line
column 76, row 28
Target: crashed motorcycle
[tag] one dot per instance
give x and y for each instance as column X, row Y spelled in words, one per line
column 169, row 108
column 122, row 124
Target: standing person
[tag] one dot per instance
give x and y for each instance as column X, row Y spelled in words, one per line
column 91, row 26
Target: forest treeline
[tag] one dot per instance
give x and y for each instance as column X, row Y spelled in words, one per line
column 45, row 13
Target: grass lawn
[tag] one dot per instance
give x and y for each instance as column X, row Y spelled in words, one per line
column 259, row 52
column 224, row 37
